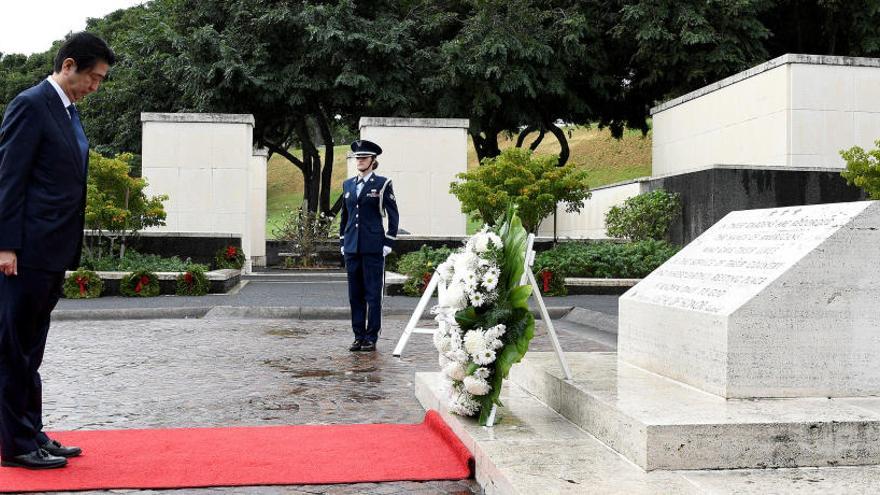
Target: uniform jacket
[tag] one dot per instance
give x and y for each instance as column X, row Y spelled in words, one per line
column 361, row 229
column 42, row 182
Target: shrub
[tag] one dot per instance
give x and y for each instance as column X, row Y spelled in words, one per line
column 602, row 260
column 863, row 169
column 83, row 284
column 534, row 183
column 305, row 233
column 116, row 205
column 140, row 283
column 229, row 257
column 133, row 261
column 193, row 282
column 646, row 216
column 418, row 263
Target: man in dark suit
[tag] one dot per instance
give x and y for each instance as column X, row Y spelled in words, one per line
column 43, row 166
column 365, row 242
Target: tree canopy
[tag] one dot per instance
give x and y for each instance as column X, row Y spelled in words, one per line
column 309, row 69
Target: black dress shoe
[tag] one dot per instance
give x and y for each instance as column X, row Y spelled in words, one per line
column 368, row 346
column 356, row 345
column 54, row 447
column 38, row 459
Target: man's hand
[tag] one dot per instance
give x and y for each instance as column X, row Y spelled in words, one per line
column 386, row 250
column 8, row 263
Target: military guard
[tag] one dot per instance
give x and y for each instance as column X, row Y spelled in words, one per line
column 365, row 242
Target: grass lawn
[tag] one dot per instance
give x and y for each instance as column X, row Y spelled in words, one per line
column 607, row 159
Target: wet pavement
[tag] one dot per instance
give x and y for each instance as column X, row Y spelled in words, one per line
column 119, row 374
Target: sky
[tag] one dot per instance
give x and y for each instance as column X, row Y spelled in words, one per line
column 30, row 26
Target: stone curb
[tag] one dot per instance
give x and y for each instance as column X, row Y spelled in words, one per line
column 595, row 319
column 255, row 312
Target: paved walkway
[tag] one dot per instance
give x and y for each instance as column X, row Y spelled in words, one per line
column 230, row 372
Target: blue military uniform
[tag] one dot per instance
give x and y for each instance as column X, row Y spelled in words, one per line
column 363, row 236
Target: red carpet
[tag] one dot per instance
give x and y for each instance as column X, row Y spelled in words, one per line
column 265, row 455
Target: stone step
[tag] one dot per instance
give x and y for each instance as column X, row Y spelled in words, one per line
column 659, row 423
column 534, row 450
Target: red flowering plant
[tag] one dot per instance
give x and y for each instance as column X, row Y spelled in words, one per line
column 229, row 257
column 193, row 282
column 83, row 284
column 140, row 283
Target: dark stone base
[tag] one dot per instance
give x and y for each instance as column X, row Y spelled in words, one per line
column 709, row 195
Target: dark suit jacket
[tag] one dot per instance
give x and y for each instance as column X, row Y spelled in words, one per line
column 42, row 182
column 361, row 230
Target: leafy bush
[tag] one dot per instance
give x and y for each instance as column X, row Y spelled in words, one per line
column 863, row 169
column 305, row 233
column 83, row 284
column 602, row 260
column 139, row 284
column 534, row 183
column 646, row 216
column 116, row 205
column 193, row 282
column 134, row 261
column 417, row 263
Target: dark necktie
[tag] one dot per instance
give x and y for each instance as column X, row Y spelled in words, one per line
column 80, row 135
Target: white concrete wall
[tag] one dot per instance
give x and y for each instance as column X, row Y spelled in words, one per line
column 794, row 111
column 589, row 223
column 421, row 157
column 257, row 208
column 203, row 162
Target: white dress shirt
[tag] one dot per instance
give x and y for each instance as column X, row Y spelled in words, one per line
column 64, row 99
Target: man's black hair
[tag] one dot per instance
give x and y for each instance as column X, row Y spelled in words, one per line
column 86, row 50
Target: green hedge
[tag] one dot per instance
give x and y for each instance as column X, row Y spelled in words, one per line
column 134, row 261
column 602, row 260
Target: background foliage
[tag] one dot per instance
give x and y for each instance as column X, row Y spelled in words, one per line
column 645, row 216
column 863, row 169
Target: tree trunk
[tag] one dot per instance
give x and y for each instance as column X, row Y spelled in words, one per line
column 563, row 144
column 486, row 147
column 327, row 172
column 312, row 161
column 523, row 133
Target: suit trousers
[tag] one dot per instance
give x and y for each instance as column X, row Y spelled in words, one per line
column 365, row 274
column 26, row 302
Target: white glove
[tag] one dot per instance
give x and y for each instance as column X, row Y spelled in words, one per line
column 386, row 250
column 342, row 250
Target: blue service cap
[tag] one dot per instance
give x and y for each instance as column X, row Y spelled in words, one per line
column 362, row 147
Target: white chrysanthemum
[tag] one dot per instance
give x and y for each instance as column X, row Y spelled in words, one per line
column 480, row 242
column 471, row 286
column 454, row 297
column 442, row 341
column 474, row 342
column 478, row 299
column 486, row 356
column 496, row 331
column 476, row 386
column 482, row 373
column 463, row 403
column 459, row 356
column 445, row 270
column 455, row 370
column 495, row 240
column 490, row 281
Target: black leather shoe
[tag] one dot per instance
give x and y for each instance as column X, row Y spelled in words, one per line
column 54, row 447
column 356, row 345
column 38, row 459
column 368, row 346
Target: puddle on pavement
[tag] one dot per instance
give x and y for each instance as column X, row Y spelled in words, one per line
column 289, row 333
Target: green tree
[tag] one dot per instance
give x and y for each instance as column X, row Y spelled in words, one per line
column 116, row 205
column 535, row 184
column 295, row 66
column 645, row 216
column 863, row 169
